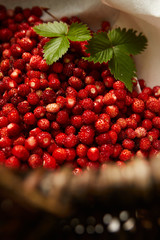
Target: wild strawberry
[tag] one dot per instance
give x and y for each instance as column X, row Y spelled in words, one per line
column 48, row 161
column 48, row 96
column 60, row 155
column 101, row 125
column 93, row 154
column 116, row 150
column 29, row 118
column 75, row 82
column 70, row 141
column 62, row 117
column 125, row 155
column 3, row 121
column 156, row 122
column 20, row 152
column 35, row 161
column 70, row 130
column 140, row 132
column 147, row 124
column 144, row 144
column 43, row 124
column 77, row 171
column 109, row 98
column 5, row 34
column 138, row 105
column 128, row 144
column 13, row 130
column 87, row 104
column 108, row 81
column 153, row 134
column 112, row 111
column 12, row 162
column 88, row 117
column 86, row 135
column 76, row 121
column 33, row 98
column 60, row 139
column 131, row 134
column 131, row 123
column 71, row 154
column 82, row 162
column 26, row 44
column 153, row 104
column 116, row 127
column 156, row 91
column 92, row 91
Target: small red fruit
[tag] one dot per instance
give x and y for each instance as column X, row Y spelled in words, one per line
column 93, row 154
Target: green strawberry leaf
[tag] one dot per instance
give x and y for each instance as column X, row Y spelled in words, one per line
column 55, row 29
column 55, row 49
column 115, row 48
column 78, row 32
column 99, row 48
column 122, row 67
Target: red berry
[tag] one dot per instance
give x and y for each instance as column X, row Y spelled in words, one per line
column 29, row 118
column 44, row 139
column 138, row 105
column 147, row 124
column 62, row 117
column 108, row 80
column 48, row 161
column 35, row 161
column 112, row 111
column 39, row 112
column 76, row 121
column 20, row 152
column 12, row 162
column 92, row 91
column 71, row 154
column 60, row 139
column 144, row 144
column 82, row 162
column 77, row 171
column 70, row 141
column 156, row 144
column 101, row 125
column 86, row 135
column 60, row 155
column 125, row 155
column 153, row 105
column 43, row 124
column 93, row 154
column 3, row 121
column 33, row 98
column 26, row 43
column 128, row 143
column 88, row 117
column 130, row 133
column 34, row 83
column 31, row 143
column 156, row 122
column 13, row 130
column 75, row 82
column 109, row 98
column 87, row 104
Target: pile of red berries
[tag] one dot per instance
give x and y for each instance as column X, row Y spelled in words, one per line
column 72, row 112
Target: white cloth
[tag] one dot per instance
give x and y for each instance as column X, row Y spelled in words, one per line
column 142, row 15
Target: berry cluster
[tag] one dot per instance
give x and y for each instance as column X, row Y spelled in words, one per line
column 72, row 112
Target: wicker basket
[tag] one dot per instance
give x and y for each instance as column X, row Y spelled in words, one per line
column 111, row 203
